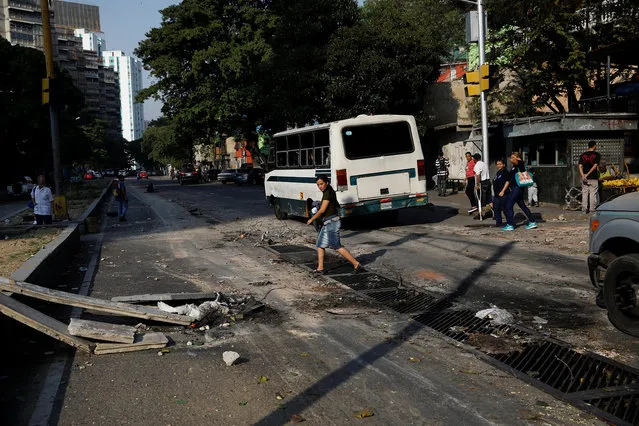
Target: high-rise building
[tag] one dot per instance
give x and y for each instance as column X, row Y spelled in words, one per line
column 130, row 73
column 91, row 41
column 21, row 23
column 73, row 15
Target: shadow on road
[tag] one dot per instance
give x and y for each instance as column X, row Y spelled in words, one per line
column 316, row 391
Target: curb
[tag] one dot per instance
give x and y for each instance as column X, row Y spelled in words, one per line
column 50, row 261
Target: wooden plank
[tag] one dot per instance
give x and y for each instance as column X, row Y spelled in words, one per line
column 102, row 331
column 41, row 322
column 142, row 342
column 92, row 303
column 163, row 297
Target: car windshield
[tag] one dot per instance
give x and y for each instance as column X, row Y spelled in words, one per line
column 227, row 171
column 376, row 140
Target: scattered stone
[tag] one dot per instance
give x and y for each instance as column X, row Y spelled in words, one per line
column 189, row 343
column 539, row 320
column 550, row 240
column 561, row 217
column 230, row 357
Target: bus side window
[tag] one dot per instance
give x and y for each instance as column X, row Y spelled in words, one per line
column 293, row 158
column 281, row 159
column 322, row 148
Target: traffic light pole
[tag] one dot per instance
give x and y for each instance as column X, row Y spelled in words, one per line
column 482, row 61
column 53, row 113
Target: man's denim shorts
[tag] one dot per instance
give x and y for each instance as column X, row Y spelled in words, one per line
column 329, row 235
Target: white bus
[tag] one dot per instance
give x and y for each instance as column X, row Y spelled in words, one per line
column 374, row 163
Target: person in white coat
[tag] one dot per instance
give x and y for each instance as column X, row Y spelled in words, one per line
column 42, row 202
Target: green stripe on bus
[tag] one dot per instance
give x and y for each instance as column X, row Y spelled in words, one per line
column 411, row 174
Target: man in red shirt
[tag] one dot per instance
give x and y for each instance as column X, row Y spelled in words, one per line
column 470, row 183
column 588, row 170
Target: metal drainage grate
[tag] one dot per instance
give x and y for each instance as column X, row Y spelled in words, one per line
column 591, row 382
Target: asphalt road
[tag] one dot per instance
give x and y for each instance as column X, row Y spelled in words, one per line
column 431, row 249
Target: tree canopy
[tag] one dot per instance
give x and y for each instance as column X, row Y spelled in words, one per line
column 547, row 44
column 226, row 66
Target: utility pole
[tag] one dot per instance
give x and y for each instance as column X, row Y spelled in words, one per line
column 481, row 41
column 54, row 97
column 482, row 61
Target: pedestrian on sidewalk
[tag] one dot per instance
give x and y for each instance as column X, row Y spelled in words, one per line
column 121, row 197
column 588, row 169
column 501, row 190
column 470, row 183
column 328, row 236
column 533, row 192
column 482, row 182
column 42, row 199
column 441, row 165
column 516, row 195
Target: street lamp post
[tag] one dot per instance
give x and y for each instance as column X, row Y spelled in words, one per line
column 481, row 33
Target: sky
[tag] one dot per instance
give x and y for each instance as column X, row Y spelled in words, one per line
column 124, row 24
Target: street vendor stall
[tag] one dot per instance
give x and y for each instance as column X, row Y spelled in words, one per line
column 617, row 186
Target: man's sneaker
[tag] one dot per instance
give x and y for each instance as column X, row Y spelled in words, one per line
column 531, row 225
column 472, row 210
column 508, row 228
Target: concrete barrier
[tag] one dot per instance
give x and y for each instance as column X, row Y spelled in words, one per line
column 47, row 264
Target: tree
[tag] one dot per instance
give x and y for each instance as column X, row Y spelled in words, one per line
column 206, row 56
column 24, row 122
column 164, row 143
column 293, row 80
column 384, row 63
column 546, row 44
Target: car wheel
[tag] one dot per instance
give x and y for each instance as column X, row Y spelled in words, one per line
column 279, row 213
column 621, row 293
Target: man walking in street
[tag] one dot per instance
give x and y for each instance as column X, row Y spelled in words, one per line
column 588, row 170
column 121, row 197
column 470, row 183
column 42, row 199
column 501, row 191
column 482, row 182
column 441, row 165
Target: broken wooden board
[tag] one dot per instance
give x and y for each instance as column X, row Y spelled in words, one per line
column 102, row 331
column 92, row 303
column 163, row 297
column 142, row 342
column 41, row 322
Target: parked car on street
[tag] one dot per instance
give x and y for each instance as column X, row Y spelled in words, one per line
column 213, row 174
column 188, row 173
column 122, row 172
column 227, row 175
column 21, row 185
column 98, row 175
column 88, row 175
column 109, row 173
column 142, row 174
column 254, row 176
column 614, row 260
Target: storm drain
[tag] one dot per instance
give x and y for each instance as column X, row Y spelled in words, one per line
column 591, row 382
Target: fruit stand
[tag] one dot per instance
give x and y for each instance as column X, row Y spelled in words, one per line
column 613, row 187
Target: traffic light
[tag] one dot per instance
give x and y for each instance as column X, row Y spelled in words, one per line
column 479, row 81
column 45, row 91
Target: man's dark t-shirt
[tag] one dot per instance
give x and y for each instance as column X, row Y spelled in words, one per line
column 589, row 159
column 500, row 180
column 329, row 194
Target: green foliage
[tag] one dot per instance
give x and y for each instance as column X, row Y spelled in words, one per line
column 546, row 44
column 24, row 122
column 163, row 143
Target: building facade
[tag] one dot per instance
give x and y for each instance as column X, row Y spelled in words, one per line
column 73, row 15
column 21, row 23
column 130, row 76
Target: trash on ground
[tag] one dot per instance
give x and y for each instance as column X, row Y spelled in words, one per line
column 263, row 379
column 296, row 418
column 230, row 357
column 539, row 320
column 364, row 413
column 496, row 315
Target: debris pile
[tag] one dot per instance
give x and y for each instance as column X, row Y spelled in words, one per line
column 108, row 338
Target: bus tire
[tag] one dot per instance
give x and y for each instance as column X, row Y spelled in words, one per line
column 279, row 213
column 621, row 289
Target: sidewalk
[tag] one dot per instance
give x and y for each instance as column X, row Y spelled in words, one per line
column 12, row 208
column 297, row 359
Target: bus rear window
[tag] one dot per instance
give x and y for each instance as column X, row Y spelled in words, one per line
column 376, row 140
